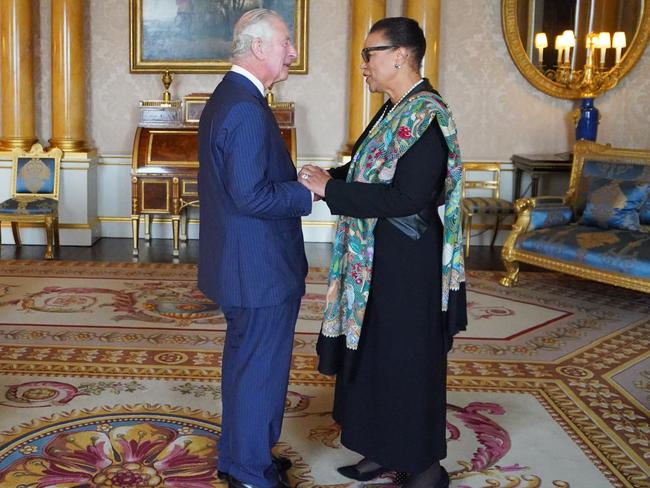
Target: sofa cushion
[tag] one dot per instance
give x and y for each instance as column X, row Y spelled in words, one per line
column 613, row 250
column 613, row 203
column 623, row 171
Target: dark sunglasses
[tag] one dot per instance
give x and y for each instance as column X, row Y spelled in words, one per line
column 365, row 52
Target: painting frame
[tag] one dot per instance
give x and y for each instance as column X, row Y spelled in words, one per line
column 140, row 61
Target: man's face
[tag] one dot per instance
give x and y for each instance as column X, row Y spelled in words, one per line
column 279, row 52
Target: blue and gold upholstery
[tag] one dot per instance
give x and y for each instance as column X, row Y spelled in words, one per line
column 490, row 205
column 599, row 230
column 35, row 193
column 614, row 204
column 608, row 250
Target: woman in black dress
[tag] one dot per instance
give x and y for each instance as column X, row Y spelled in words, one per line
column 395, row 298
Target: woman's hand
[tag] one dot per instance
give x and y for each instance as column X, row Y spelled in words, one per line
column 314, row 178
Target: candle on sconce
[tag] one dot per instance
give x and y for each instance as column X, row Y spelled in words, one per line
column 604, row 42
column 559, row 47
column 618, row 43
column 569, row 42
column 541, row 42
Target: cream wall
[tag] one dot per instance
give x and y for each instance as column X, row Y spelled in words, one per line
column 498, row 112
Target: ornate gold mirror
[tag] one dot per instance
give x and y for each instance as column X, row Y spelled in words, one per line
column 575, row 48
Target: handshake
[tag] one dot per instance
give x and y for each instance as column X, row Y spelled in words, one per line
column 314, row 179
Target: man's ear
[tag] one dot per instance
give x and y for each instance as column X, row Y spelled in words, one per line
column 257, row 47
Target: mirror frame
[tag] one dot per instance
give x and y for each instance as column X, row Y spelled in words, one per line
column 536, row 78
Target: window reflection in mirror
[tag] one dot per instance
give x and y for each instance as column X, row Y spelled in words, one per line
column 544, row 27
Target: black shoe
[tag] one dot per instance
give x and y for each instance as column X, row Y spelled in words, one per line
column 402, row 479
column 282, row 464
column 235, row 483
column 353, row 472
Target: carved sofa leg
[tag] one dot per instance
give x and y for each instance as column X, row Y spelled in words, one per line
column 512, row 273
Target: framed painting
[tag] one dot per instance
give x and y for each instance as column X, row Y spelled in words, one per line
column 194, row 36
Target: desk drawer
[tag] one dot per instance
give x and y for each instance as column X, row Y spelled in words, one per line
column 154, row 195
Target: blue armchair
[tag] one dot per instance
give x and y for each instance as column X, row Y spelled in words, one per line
column 35, row 193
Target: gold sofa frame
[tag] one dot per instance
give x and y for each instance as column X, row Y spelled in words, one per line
column 512, row 257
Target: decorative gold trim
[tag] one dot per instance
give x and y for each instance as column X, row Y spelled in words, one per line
column 138, row 65
column 135, row 152
column 30, row 225
column 536, row 78
column 184, row 190
column 316, row 223
column 583, row 271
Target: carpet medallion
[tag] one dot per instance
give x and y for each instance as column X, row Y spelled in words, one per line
column 109, row 376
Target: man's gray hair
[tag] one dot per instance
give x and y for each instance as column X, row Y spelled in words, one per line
column 253, row 24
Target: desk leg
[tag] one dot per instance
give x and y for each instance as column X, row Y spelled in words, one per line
column 534, row 185
column 147, row 227
column 176, row 224
column 184, row 219
column 517, row 189
column 135, row 228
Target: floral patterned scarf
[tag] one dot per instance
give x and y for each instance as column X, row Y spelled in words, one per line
column 375, row 161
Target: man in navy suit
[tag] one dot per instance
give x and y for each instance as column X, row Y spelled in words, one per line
column 251, row 251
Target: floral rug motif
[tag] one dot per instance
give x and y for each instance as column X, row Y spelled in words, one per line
column 109, row 376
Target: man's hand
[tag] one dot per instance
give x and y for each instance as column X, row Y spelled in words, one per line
column 314, row 179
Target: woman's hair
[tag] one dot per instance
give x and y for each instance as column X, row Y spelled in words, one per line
column 403, row 32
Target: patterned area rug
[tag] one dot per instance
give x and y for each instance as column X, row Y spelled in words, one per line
column 109, row 376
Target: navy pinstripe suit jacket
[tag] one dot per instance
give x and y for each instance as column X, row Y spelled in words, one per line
column 251, row 250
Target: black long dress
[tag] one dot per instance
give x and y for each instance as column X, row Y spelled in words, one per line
column 390, row 393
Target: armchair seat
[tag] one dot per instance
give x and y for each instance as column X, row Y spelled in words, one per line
column 487, row 206
column 29, row 206
column 607, row 250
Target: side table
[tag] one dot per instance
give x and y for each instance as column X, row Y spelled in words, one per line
column 536, row 165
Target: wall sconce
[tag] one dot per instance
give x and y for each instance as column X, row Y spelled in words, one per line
column 591, row 79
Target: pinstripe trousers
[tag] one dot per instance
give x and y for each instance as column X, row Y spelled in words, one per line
column 255, row 376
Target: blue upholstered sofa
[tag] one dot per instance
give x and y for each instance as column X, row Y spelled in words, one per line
column 599, row 230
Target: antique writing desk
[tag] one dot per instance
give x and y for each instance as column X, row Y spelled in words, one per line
column 164, row 171
column 536, row 165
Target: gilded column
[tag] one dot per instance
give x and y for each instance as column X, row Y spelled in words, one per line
column 362, row 104
column 16, row 54
column 68, row 76
column 427, row 13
